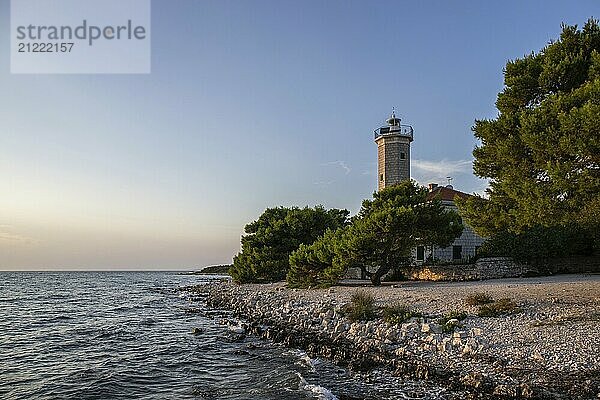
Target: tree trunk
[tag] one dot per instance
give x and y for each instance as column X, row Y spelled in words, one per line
column 376, row 276
column 365, row 273
column 376, row 279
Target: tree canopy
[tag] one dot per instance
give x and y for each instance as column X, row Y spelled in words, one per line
column 542, row 152
column 268, row 241
column 381, row 237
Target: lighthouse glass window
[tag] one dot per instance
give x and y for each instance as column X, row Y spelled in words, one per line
column 403, row 156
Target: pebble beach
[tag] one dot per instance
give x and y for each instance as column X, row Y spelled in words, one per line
column 549, row 348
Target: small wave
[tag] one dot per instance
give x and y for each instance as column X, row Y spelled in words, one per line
column 57, row 296
column 160, row 290
column 148, row 321
column 8, row 300
column 50, row 320
column 123, row 333
column 319, row 391
column 62, row 318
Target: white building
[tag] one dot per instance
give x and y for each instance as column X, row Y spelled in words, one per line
column 393, row 166
column 464, row 247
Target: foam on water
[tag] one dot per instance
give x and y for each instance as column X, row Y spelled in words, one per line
column 320, row 392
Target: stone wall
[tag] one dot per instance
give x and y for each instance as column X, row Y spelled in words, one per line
column 443, row 273
column 484, row 268
column 496, row 268
column 502, row 267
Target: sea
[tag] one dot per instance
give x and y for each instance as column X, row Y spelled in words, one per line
column 141, row 335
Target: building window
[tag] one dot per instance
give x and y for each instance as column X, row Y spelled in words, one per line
column 403, row 156
column 420, row 253
column 456, row 252
column 381, row 178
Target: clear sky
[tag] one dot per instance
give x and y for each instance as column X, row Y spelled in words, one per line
column 250, row 104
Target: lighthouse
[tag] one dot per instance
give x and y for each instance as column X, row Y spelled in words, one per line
column 393, row 152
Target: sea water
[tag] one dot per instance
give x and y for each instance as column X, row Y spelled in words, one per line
column 130, row 335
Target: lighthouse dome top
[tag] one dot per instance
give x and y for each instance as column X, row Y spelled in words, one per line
column 394, row 128
column 393, row 120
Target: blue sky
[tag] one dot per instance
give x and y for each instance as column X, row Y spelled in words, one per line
column 250, row 104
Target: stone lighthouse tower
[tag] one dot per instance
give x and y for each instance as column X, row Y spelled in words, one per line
column 393, row 152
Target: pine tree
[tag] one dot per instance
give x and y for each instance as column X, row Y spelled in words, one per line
column 542, row 153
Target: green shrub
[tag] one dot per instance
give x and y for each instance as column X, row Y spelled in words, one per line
column 498, row 308
column 362, row 307
column 448, row 327
column 540, row 243
column 478, row 299
column 398, row 313
column 316, row 265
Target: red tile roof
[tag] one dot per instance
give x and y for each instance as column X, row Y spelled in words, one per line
column 446, row 194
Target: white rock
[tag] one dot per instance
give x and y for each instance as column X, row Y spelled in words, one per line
column 445, row 345
column 237, row 330
column 459, row 334
column 538, row 357
column 433, row 339
column 476, row 331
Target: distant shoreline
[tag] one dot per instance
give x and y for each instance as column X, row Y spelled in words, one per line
column 212, row 270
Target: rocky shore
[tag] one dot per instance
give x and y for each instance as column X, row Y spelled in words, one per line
column 549, row 349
